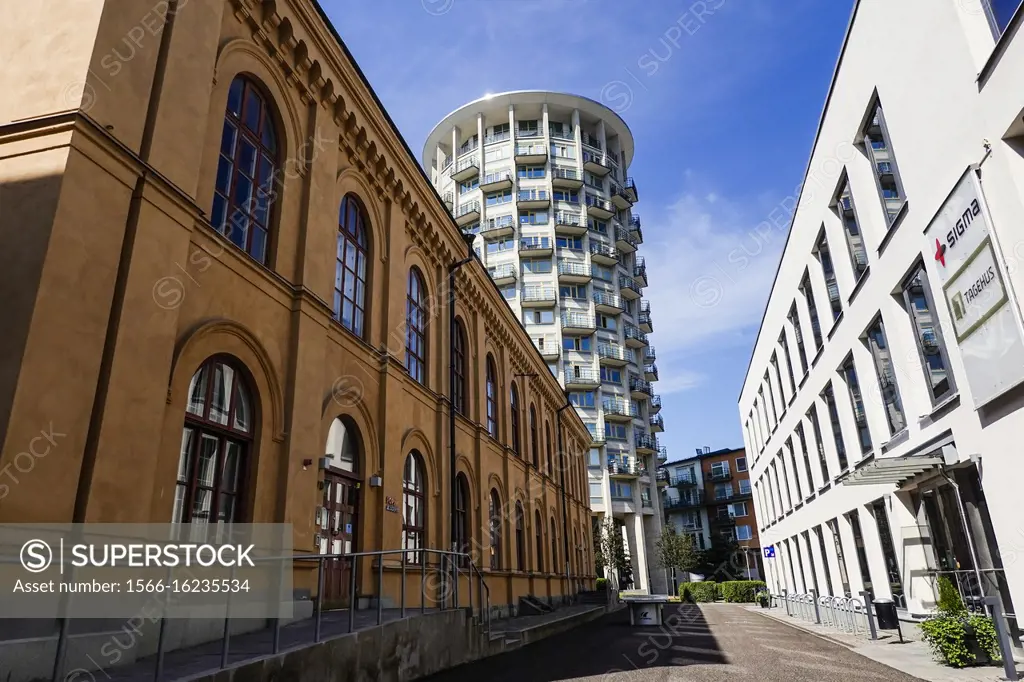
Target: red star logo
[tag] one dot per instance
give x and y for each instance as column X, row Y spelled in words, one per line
column 940, row 252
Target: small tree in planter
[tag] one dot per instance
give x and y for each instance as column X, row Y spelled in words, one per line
column 959, row 638
column 763, row 598
column 676, row 551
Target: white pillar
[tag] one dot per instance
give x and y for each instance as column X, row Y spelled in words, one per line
column 850, row 558
column 641, row 577
column 907, row 537
column 873, row 549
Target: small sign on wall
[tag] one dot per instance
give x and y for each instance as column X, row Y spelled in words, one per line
column 390, row 505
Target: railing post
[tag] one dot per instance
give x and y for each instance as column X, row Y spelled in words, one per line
column 817, row 610
column 1009, row 666
column 227, row 628
column 423, row 584
column 380, row 589
column 403, row 584
column 158, row 669
column 320, row 597
column 868, row 614
column 785, row 599
column 352, row 597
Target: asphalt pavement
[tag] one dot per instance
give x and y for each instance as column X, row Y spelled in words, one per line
column 700, row 643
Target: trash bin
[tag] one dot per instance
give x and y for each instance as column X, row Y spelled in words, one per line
column 885, row 612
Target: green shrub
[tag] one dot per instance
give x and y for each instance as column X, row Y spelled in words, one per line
column 741, row 591
column 950, row 603
column 704, row 591
column 602, row 584
column 947, row 633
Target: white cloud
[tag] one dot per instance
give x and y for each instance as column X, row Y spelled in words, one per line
column 711, row 261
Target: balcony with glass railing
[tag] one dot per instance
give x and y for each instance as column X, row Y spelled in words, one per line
column 599, row 208
column 503, row 136
column 577, row 376
column 655, row 404
column 613, row 355
column 625, row 241
column 606, row 254
column 651, row 372
column 548, row 347
column 531, row 153
column 468, row 213
column 494, row 182
column 531, row 247
column 619, row 410
column 634, row 337
column 562, row 132
column 449, row 199
column 572, row 224
column 538, row 297
column 573, row 272
column 657, row 423
column 629, row 288
column 596, row 163
column 610, row 304
column 466, row 168
column 496, row 228
column 578, row 324
column 533, row 198
column 503, row 274
column 645, row 444
column 640, row 389
column 566, row 178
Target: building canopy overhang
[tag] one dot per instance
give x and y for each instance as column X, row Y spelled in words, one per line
column 894, row 470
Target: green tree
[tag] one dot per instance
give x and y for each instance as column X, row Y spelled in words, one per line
column 612, row 553
column 676, row 551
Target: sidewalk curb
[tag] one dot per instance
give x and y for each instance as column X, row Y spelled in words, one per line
column 799, row 627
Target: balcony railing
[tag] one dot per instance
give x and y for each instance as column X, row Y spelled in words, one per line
column 531, row 150
column 622, row 407
column 655, row 402
column 606, row 250
column 651, row 370
column 649, row 354
column 590, row 140
column 449, row 198
column 657, row 422
column 578, row 320
column 564, row 133
column 528, row 195
column 573, row 268
column 630, row 189
column 640, row 269
column 570, row 219
column 640, row 385
column 566, row 174
column 502, row 223
column 608, row 300
column 694, row 499
column 464, row 164
column 502, row 271
column 602, row 204
column 634, row 222
column 535, row 244
column 632, row 332
column 625, row 468
column 497, row 137
column 684, row 481
column 622, row 235
column 581, row 375
column 630, row 284
column 646, row 441
column 644, row 318
column 527, row 132
column 607, row 350
column 662, row 454
column 464, row 209
column 719, row 476
column 535, row 294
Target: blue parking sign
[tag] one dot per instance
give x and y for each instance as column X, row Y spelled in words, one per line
column 769, row 552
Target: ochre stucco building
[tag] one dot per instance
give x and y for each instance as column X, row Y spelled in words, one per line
column 224, row 287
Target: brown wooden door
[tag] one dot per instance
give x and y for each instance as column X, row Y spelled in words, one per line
column 341, row 504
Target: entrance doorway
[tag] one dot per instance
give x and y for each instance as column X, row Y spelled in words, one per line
column 338, row 527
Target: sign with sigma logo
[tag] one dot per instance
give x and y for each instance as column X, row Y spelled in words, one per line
column 971, row 279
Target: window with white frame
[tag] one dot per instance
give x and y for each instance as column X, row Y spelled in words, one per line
column 886, row 372
column 878, row 145
column 935, row 361
column 847, row 211
column 744, row 486
column 539, row 317
column 744, row 533
column 741, row 464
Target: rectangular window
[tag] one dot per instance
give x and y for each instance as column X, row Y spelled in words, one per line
column 570, row 195
column 563, row 151
column 527, row 129
column 837, row 431
column 605, row 322
column 560, row 130
column 744, row 486
column 738, row 509
column 784, row 342
column 785, row 481
column 596, row 494
column 794, row 319
column 918, row 301
column 537, row 266
column 837, row 540
column 621, row 491
column 720, row 469
column 723, row 491
column 778, row 378
column 497, row 133
column 824, row 560
column 497, row 154
column 580, row 344
column 827, row 269
column 999, row 13
column 594, row 458
column 610, row 375
column 598, row 226
column 741, row 464
column 879, row 148
column 886, row 378
column 771, row 399
column 851, row 228
column 796, row 472
column 812, row 311
column 744, row 533
column 539, row 317
column 614, row 431
column 858, row 543
column 601, row 272
column 501, row 246
column 499, row 198
column 807, row 459
column 469, row 186
column 582, row 398
column 509, row 292
column 575, row 291
column 470, row 144
column 857, row 401
column 530, row 172
column 812, row 415
column 533, row 218
column 575, row 243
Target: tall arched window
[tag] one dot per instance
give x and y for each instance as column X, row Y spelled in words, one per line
column 515, row 420
column 246, row 170
column 547, row 439
column 538, row 531
column 216, row 443
column 462, row 517
column 494, row 514
column 413, row 507
column 416, row 327
column 459, row 367
column 534, row 442
column 350, row 266
column 554, row 548
column 520, row 540
column 492, row 398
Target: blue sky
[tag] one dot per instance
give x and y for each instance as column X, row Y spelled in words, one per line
column 723, row 98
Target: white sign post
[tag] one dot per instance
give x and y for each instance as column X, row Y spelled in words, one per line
column 970, row 277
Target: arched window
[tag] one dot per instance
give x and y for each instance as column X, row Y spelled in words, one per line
column 343, row 447
column 416, row 328
column 520, row 540
column 515, row 420
column 538, row 530
column 547, row 439
column 492, row 398
column 534, row 442
column 246, row 170
column 459, row 368
column 413, row 507
column 494, row 514
column 462, row 517
column 350, row 266
column 554, row 548
column 216, row 442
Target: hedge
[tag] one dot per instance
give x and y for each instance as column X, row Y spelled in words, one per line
column 741, row 591
column 602, row 584
column 736, row 591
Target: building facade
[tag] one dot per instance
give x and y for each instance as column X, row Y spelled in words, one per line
column 225, row 291
column 882, row 405
column 708, row 497
column 541, row 180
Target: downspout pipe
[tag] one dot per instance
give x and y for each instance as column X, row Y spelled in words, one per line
column 561, row 482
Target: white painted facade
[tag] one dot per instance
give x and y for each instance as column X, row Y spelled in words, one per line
column 949, row 88
column 541, row 179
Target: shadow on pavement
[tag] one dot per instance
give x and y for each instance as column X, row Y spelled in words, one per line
column 600, row 649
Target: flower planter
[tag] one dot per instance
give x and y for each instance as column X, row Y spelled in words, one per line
column 978, row 654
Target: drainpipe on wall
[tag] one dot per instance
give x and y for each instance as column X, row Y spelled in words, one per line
column 452, row 484
column 561, row 482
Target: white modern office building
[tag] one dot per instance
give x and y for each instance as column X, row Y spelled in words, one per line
column 883, row 408
column 541, row 179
